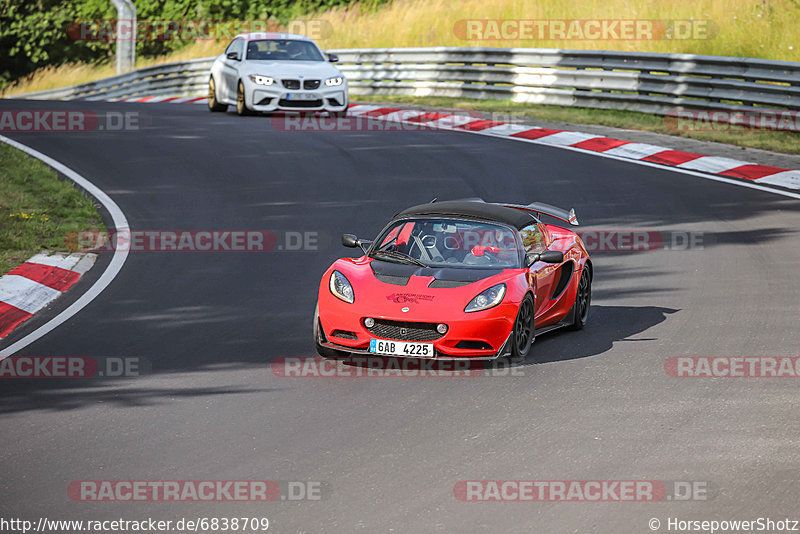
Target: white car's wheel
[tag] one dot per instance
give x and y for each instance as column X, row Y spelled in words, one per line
column 241, row 103
column 213, row 103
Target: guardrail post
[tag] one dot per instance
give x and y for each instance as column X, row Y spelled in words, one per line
column 126, row 35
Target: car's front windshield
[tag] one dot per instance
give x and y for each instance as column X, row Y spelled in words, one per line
column 283, row 50
column 448, row 243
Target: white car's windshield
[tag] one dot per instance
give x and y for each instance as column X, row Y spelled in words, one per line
column 448, row 243
column 283, row 50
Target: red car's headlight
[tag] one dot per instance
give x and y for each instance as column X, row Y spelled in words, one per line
column 341, row 288
column 487, row 299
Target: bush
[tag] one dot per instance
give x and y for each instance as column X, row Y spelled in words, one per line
column 35, row 32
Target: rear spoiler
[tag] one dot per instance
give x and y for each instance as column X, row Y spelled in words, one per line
column 540, row 208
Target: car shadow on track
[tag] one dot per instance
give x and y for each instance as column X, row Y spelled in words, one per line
column 607, row 325
column 55, row 395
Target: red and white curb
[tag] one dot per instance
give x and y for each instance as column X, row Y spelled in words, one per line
column 168, row 99
column 36, row 283
column 753, row 172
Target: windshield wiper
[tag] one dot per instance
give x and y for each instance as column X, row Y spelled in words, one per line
column 398, row 256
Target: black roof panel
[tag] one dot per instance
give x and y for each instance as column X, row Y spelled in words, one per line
column 481, row 210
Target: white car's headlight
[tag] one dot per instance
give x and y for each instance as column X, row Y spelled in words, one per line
column 487, row 299
column 333, row 82
column 261, row 80
column 341, row 287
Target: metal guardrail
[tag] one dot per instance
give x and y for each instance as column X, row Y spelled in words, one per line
column 183, row 78
column 645, row 82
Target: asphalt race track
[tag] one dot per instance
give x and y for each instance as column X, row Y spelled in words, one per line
column 589, row 405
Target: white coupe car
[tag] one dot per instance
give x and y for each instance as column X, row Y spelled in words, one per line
column 268, row 72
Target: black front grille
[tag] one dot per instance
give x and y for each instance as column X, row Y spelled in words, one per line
column 300, row 103
column 405, row 331
column 291, row 84
column 311, row 84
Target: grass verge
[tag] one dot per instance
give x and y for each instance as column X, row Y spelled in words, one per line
column 785, row 142
column 38, row 211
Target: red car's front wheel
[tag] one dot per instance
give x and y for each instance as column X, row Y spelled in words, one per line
column 522, row 336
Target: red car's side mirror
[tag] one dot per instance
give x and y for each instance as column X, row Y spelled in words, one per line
column 548, row 256
column 349, row 240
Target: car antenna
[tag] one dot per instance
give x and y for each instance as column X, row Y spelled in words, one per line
column 434, row 200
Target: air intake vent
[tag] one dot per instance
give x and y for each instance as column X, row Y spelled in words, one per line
column 299, row 103
column 343, row 334
column 447, row 284
column 563, row 280
column 391, row 279
column 473, row 345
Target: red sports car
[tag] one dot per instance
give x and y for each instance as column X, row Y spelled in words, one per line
column 456, row 279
